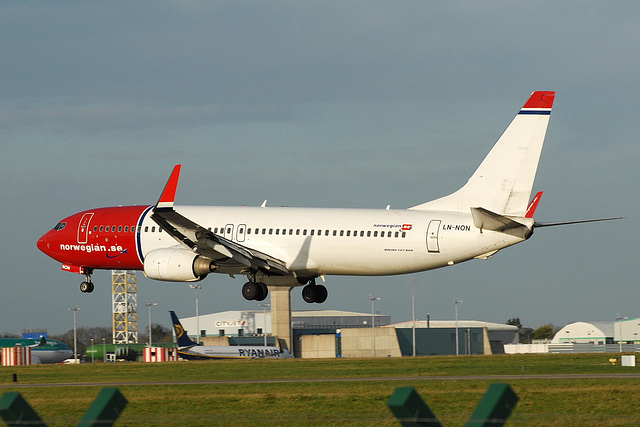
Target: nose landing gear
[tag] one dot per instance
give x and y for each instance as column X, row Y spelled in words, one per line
column 87, row 285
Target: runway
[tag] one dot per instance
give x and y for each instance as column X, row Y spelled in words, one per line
column 631, row 376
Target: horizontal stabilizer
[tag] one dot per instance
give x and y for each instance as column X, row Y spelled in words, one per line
column 484, row 219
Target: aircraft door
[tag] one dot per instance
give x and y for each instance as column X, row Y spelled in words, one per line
column 241, row 232
column 432, row 235
column 83, row 228
column 228, row 231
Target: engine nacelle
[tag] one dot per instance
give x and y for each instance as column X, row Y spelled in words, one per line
column 177, row 265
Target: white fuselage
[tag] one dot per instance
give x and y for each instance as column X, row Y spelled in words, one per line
column 315, row 242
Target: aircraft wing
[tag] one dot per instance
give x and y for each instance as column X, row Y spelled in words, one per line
column 203, row 241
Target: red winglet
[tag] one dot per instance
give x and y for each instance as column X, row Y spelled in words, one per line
column 541, row 99
column 169, row 193
column 533, row 205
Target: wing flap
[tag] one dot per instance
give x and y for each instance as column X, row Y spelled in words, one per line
column 211, row 245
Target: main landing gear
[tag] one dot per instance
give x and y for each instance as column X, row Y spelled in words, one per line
column 311, row 293
column 314, row 293
column 255, row 291
column 87, row 285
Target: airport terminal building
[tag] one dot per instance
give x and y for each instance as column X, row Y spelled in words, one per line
column 258, row 322
column 332, row 333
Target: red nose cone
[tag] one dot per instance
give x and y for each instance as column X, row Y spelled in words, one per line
column 42, row 243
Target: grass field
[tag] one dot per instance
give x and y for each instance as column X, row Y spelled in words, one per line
column 355, row 393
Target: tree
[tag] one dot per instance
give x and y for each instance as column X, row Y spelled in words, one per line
column 84, row 336
column 544, row 332
column 525, row 335
column 158, row 332
column 515, row 321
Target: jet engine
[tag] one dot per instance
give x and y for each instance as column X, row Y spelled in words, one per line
column 177, row 265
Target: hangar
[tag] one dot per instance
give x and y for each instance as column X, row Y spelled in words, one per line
column 585, row 332
column 625, row 330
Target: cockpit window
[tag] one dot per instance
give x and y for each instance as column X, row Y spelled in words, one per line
column 59, row 226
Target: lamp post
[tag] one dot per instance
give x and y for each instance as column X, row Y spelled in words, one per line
column 413, row 317
column 456, row 302
column 93, row 351
column 197, row 288
column 104, row 350
column 619, row 318
column 373, row 323
column 264, row 325
column 149, row 305
column 75, row 336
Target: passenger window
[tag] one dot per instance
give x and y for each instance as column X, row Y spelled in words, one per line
column 389, row 234
column 362, row 234
column 101, row 227
column 355, row 233
column 348, row 233
column 396, row 234
column 277, row 231
column 369, row 233
column 298, row 232
column 126, row 228
column 153, row 229
column 335, row 232
column 341, row 233
column 311, row 231
column 326, row 232
column 119, row 229
column 107, row 229
column 375, row 234
column 146, row 229
column 404, row 234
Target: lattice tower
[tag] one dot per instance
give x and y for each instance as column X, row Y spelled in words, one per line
column 124, row 287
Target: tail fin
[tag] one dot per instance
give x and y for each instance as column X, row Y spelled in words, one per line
column 504, row 180
column 181, row 336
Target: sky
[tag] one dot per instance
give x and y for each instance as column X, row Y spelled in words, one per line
column 323, row 104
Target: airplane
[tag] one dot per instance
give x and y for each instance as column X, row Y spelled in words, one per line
column 190, row 350
column 288, row 246
column 42, row 351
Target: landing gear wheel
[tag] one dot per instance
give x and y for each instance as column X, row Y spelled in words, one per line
column 321, row 294
column 86, row 287
column 250, row 290
column 309, row 294
column 262, row 295
column 255, row 291
column 314, row 293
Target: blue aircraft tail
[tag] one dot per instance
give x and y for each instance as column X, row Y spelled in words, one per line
column 182, row 337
